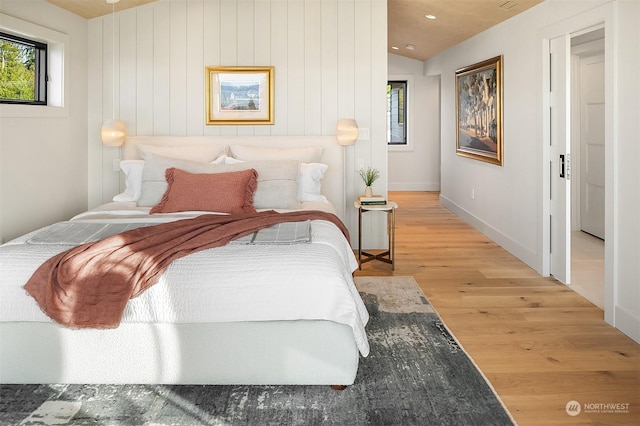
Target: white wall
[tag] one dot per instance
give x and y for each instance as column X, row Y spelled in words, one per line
column 330, row 62
column 43, row 163
column 416, row 167
column 508, row 205
column 624, row 269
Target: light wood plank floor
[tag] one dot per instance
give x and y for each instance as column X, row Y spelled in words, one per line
column 539, row 344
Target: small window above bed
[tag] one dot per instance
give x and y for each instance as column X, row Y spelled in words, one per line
column 23, row 70
column 43, row 52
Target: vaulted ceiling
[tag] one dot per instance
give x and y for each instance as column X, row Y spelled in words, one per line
column 409, row 32
column 455, row 21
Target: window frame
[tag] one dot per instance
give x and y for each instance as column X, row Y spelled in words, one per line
column 408, row 79
column 41, row 69
column 58, row 66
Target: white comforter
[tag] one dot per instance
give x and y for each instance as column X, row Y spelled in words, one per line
column 311, row 281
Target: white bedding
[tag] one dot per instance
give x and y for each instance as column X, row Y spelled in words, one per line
column 227, row 284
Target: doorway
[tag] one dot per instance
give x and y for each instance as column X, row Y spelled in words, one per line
column 588, row 163
column 576, row 156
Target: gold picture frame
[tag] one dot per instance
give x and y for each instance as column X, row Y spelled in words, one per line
column 479, row 111
column 239, row 95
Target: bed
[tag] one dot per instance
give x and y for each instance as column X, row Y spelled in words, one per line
column 249, row 312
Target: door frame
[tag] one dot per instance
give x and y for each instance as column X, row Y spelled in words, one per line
column 599, row 16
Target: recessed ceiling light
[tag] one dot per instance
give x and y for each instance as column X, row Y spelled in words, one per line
column 430, row 16
column 395, row 47
column 410, row 47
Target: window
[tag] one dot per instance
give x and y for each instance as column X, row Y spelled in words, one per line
column 397, row 112
column 23, row 70
column 52, row 76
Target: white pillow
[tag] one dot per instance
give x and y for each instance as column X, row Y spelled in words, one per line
column 220, row 160
column 231, row 160
column 277, row 180
column 310, row 182
column 132, row 170
column 198, row 153
column 303, row 154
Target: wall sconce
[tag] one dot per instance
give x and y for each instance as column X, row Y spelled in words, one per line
column 347, row 131
column 113, row 131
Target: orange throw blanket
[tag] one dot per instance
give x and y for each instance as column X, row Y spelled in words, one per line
column 89, row 285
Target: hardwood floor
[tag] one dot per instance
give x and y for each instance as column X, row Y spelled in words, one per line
column 540, row 344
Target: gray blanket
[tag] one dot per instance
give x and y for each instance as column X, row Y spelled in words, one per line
column 76, row 233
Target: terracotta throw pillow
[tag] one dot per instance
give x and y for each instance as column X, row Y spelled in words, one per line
column 219, row 192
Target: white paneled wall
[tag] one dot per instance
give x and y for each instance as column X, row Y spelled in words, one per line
column 330, row 62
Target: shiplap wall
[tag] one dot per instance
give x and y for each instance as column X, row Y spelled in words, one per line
column 330, row 62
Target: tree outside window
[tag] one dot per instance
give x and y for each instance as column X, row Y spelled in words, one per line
column 23, row 65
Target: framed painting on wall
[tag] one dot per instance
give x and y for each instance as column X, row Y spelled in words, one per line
column 479, row 111
column 239, row 95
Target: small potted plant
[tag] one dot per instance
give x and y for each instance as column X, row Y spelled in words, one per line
column 369, row 175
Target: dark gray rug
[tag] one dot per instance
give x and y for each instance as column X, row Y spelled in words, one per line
column 416, row 374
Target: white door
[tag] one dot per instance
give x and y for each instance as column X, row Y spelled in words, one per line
column 592, row 145
column 560, row 83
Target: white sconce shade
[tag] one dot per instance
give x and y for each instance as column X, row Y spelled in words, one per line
column 113, row 132
column 347, row 131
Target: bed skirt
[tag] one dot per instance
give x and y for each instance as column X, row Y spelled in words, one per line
column 270, row 352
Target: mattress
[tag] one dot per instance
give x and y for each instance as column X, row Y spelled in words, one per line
column 234, row 283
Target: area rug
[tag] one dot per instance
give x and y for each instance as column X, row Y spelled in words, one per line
column 416, row 374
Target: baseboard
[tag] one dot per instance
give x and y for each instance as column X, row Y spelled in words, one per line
column 414, row 186
column 627, row 322
column 525, row 255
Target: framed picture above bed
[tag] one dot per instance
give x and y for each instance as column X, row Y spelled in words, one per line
column 479, row 111
column 239, row 95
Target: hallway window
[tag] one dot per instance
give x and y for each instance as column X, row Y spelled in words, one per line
column 397, row 112
column 23, row 70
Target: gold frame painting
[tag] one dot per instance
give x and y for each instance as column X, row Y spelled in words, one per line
column 479, row 111
column 239, row 95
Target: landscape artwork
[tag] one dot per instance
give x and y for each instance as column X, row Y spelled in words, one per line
column 239, row 95
column 479, row 111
